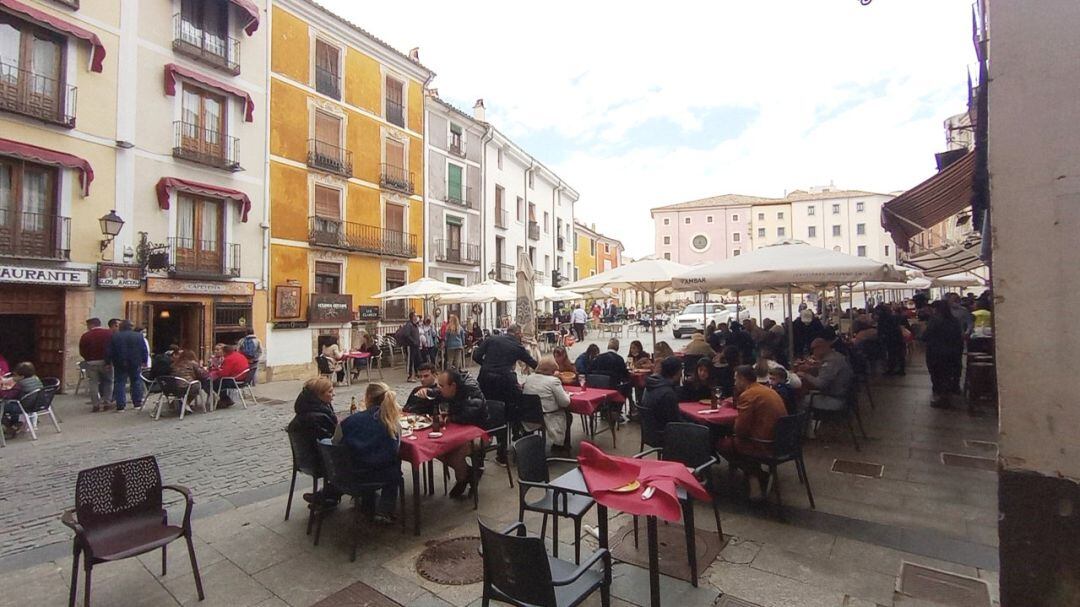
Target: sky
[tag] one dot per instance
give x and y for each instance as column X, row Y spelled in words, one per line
column 642, row 104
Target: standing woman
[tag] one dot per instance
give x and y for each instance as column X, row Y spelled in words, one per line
column 944, row 351
column 455, row 343
column 373, row 437
column 429, row 340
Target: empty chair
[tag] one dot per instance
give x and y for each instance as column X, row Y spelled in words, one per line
column 533, row 474
column 119, row 514
column 305, row 459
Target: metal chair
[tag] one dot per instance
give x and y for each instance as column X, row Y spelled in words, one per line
column 34, row 403
column 786, row 446
column 52, row 384
column 849, row 411
column 119, row 514
column 238, row 383
column 176, row 390
column 326, row 366
column 82, row 377
column 607, row 410
column 532, row 465
column 305, row 459
column 518, row 571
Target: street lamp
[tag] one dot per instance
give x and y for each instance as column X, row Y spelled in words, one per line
column 111, row 225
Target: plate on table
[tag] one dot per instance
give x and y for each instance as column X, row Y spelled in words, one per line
column 415, row 422
column 705, row 401
column 633, row 485
column 708, row 411
column 435, row 434
column 567, row 376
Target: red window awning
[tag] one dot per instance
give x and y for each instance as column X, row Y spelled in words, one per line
column 56, row 24
column 252, row 12
column 172, row 71
column 931, row 202
column 200, row 189
column 33, row 153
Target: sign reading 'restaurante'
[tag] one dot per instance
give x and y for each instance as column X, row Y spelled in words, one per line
column 64, row 277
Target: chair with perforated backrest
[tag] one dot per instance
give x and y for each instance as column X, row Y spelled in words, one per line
column 178, row 391
column 338, row 466
column 518, row 571
column 786, row 446
column 119, row 514
column 533, row 475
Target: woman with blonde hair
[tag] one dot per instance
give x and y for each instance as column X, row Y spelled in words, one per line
column 373, row 436
column 553, row 400
column 454, row 341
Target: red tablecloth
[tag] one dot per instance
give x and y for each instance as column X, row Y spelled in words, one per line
column 638, row 377
column 603, row 472
column 423, row 448
column 356, row 355
column 585, row 401
column 724, row 416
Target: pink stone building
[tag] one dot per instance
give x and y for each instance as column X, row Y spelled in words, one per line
column 706, row 230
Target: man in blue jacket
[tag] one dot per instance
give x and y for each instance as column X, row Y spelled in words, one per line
column 127, row 354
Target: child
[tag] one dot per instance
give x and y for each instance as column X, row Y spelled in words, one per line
column 778, row 379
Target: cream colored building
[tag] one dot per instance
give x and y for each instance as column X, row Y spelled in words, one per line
column 770, row 222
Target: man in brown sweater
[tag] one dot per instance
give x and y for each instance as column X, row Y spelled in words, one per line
column 759, row 407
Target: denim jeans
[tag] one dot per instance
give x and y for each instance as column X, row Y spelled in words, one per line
column 387, row 502
column 121, row 376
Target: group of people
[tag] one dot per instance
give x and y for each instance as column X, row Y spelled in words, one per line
column 423, row 342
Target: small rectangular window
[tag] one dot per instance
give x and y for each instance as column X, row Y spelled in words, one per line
column 520, row 208
column 781, row 232
column 780, row 215
column 735, row 218
column 862, row 250
column 836, row 230
column 761, row 232
column 886, row 250
column 860, row 207
column 811, row 232
column 499, row 158
column 327, row 69
column 736, row 237
column 667, row 221
column 667, row 256
column 327, row 278
column 395, row 309
column 532, row 180
column 860, row 229
column 667, row 240
column 708, row 219
column 811, row 210
column 395, row 101
column 761, row 216
column 835, row 209
column 736, row 253
column 687, row 221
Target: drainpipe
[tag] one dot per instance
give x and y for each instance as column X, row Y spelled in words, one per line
column 265, row 225
column 424, row 196
column 489, row 134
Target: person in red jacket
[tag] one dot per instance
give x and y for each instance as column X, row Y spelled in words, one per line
column 234, row 365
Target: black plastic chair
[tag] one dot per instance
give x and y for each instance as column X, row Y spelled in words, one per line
column 518, row 571
column 532, row 465
column 846, row 414
column 530, row 410
column 786, row 446
column 305, row 459
column 326, row 366
column 608, row 410
column 497, row 424
column 691, row 446
column 338, row 466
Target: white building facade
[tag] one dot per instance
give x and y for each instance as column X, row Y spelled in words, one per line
column 848, row 221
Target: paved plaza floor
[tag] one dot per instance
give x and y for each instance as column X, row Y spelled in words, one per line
column 846, row 552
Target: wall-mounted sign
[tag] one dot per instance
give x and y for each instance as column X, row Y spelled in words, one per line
column 178, row 286
column 62, row 277
column 330, row 308
column 119, row 276
column 369, row 312
column 291, row 324
column 286, row 301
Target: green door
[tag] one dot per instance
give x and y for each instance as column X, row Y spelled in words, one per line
column 453, row 188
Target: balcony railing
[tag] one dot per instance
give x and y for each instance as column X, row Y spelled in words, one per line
column 34, row 235
column 37, row 96
column 462, row 197
column 206, row 258
column 502, row 272
column 534, row 231
column 501, row 219
column 396, row 178
column 395, row 112
column 205, row 146
column 560, row 243
column 329, row 157
column 349, row 236
column 457, row 252
column 457, row 145
column 540, row 278
column 191, row 40
column 327, row 82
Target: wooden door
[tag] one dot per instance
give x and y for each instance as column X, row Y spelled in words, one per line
column 203, row 128
column 453, row 241
column 198, row 235
column 394, row 224
column 27, row 209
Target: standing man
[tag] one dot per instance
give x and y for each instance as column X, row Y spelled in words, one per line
column 408, row 336
column 251, row 347
column 578, row 318
column 94, row 348
column 127, row 354
column 114, row 324
column 497, row 357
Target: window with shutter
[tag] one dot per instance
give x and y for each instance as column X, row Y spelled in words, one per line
column 327, row 202
column 327, row 72
column 453, row 184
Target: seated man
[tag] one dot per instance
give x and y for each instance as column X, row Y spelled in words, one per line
column 611, row 364
column 698, row 346
column 465, row 403
column 234, row 365
column 661, row 403
column 422, row 398
column 833, row 379
column 759, row 407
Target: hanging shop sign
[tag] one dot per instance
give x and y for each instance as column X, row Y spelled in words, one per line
column 369, row 312
column 119, row 276
column 332, row 308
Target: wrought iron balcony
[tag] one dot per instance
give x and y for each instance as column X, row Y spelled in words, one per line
column 337, row 234
column 457, row 252
column 205, row 146
column 34, row 235
column 396, row 178
column 502, row 272
column 501, row 219
column 540, row 278
column 36, row 95
column 462, row 197
column 457, row 145
column 560, row 243
column 395, row 112
column 215, row 50
column 329, row 157
column 203, row 258
column 327, row 82
column 534, row 231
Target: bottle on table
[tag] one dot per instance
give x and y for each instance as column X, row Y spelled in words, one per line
column 352, row 406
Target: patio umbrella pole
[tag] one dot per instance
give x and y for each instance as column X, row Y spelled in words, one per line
column 790, row 326
column 704, row 310
column 652, row 319
column 760, row 314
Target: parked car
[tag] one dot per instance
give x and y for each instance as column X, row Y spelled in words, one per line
column 693, row 317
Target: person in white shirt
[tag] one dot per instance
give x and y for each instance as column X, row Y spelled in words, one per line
column 578, row 318
column 553, row 399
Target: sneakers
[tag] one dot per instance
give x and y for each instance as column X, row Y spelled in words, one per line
column 96, row 408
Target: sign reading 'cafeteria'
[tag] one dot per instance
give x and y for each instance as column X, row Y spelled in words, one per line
column 62, row 277
column 199, row 287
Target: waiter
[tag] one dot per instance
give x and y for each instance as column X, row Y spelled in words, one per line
column 497, row 357
column 578, row 318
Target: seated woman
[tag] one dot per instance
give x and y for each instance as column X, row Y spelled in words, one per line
column 766, row 362
column 663, row 350
column 373, row 436
column 25, row 381
column 553, row 400
column 333, row 351
column 564, row 365
column 315, row 419
column 637, row 357
column 188, row 369
column 699, row 385
column 583, row 364
column 217, row 358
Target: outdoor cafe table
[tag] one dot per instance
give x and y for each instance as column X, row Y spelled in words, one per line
column 700, row 413
column 637, row 377
column 586, row 402
column 350, row 358
column 420, row 447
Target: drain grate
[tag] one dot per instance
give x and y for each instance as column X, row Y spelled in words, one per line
column 969, row 461
column 729, row 601
column 357, row 595
column 867, row 469
column 452, row 562
column 919, row 582
column 982, row 445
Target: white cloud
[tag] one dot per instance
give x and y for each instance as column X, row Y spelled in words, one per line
column 838, row 91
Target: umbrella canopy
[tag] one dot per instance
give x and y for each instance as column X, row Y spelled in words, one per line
column 549, row 293
column 648, row 275
column 423, row 288
column 963, row 279
column 525, row 309
column 789, row 264
column 916, row 284
column 483, row 292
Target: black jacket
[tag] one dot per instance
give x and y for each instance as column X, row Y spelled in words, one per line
column 693, row 390
column 127, row 350
column 659, row 408
column 611, row 364
column 468, row 406
column 408, row 335
column 500, row 353
column 420, row 406
column 313, row 418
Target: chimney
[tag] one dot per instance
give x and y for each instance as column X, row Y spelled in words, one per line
column 433, row 93
column 414, row 54
column 478, row 110
column 592, row 226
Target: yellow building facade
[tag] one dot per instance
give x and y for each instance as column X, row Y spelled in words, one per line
column 346, row 182
column 584, row 252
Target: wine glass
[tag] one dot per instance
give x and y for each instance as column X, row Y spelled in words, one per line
column 717, row 395
column 444, row 413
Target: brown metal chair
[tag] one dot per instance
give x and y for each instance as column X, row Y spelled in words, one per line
column 118, row 514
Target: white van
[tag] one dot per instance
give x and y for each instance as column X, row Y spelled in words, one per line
column 693, row 317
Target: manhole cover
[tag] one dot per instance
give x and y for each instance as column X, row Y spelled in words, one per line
column 942, row 587
column 867, row 469
column 453, row 562
column 969, row 461
column 729, row 601
column 671, row 548
column 982, row 445
column 357, row 595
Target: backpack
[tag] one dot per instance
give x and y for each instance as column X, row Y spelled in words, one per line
column 249, row 347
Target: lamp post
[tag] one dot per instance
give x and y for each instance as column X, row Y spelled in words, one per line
column 111, row 224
